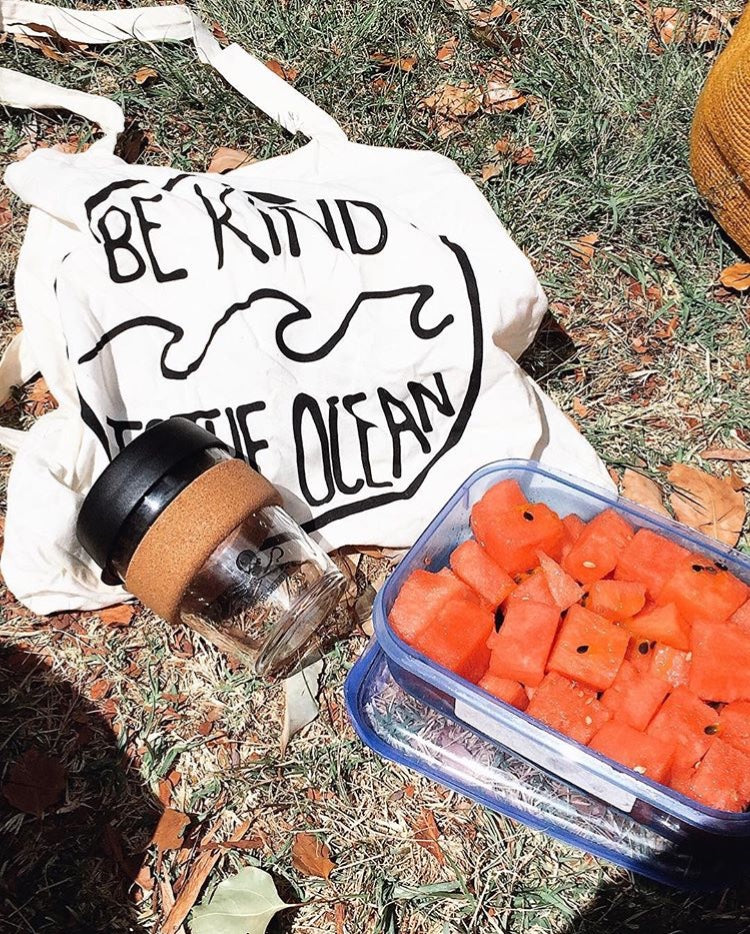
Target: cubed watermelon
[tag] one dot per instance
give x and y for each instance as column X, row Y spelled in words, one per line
column 720, row 668
column 573, row 525
column 589, row 648
column 595, row 553
column 702, row 590
column 734, row 725
column 498, row 500
column 514, row 539
column 532, row 586
column 471, row 563
column 634, row 698
column 741, row 617
column 456, row 638
column 422, row 594
column 670, row 664
column 567, row 707
column 616, row 600
column 640, row 654
column 649, row 559
column 564, row 590
column 506, row 690
column 722, row 780
column 634, row 749
column 684, row 720
column 521, row 647
column 661, row 624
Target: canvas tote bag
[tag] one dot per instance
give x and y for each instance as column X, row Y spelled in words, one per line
column 347, row 317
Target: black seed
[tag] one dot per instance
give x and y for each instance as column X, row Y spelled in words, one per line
column 721, row 566
column 643, row 648
column 711, row 729
column 698, row 567
column 528, row 516
column 582, row 649
column 499, row 619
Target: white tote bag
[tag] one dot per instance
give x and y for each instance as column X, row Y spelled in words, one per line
column 346, row 317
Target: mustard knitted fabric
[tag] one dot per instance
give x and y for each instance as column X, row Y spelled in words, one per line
column 720, row 137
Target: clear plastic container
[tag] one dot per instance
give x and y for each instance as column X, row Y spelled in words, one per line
column 653, row 805
column 406, row 730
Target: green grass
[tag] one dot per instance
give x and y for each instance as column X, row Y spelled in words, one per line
column 608, row 122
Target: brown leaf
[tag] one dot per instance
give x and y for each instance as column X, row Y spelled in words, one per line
column 426, row 834
column 499, row 98
column 735, row 480
column 643, row 490
column 226, row 159
column 490, row 170
column 670, row 24
column 132, row 142
column 6, row 217
column 34, row 782
column 99, row 689
column 144, row 75
column 287, row 72
column 524, row 156
column 219, row 33
column 736, row 277
column 447, row 50
column 170, row 830
column 340, row 917
column 454, row 101
column 117, row 616
column 583, row 248
column 707, row 503
column 581, row 410
column 311, row 857
column 49, row 51
column 402, row 62
column 725, row 454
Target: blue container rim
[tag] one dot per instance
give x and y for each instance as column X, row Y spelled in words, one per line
column 402, row 655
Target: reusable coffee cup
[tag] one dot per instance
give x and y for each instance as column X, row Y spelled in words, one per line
column 201, row 538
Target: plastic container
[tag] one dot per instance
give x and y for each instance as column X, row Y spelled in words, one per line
column 200, row 538
column 670, row 814
column 406, row 730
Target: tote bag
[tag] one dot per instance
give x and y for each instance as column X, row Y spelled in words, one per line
column 346, row 317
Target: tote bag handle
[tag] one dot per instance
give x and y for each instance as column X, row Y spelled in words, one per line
column 262, row 87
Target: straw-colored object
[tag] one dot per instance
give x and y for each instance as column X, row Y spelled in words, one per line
column 720, row 138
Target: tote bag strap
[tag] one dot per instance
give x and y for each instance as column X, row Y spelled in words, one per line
column 261, row 86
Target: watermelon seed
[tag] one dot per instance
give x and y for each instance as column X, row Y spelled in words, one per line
column 589, row 564
column 689, row 657
column 643, row 648
column 721, row 566
column 588, row 721
column 582, row 649
column 528, row 516
column 499, row 618
column 698, row 567
column 711, row 729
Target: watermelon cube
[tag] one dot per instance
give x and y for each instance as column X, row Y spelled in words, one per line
column 741, row 617
column 564, row 590
column 471, row 563
column 702, row 590
column 616, row 600
column 595, row 553
column 650, row 559
column 589, row 648
column 567, row 707
column 720, row 669
column 685, row 721
column 634, row 749
column 499, row 499
column 514, row 538
column 734, row 725
column 573, row 525
column 640, row 653
column 456, row 638
column 422, row 594
column 634, row 698
column 722, row 779
column 522, row 645
column 661, row 624
column 533, row 587
column 670, row 664
column 506, row 690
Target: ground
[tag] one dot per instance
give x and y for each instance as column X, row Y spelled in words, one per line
column 646, row 352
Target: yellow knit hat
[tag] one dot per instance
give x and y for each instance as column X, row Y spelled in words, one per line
column 720, row 138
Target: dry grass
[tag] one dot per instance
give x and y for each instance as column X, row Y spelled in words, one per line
column 653, row 365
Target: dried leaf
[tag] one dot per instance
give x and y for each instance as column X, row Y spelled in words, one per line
column 707, row 503
column 6, row 217
column 581, row 410
column 402, row 62
column 99, row 689
column 583, row 248
column 670, row 24
column 643, row 490
column 45, row 48
column 736, row 277
column 499, row 98
column 524, row 156
column 170, row 830
column 311, row 857
column 144, row 75
column 491, row 170
column 287, row 72
column 132, row 142
column 117, row 616
column 219, row 33
column 40, row 398
column 226, row 160
column 242, row 904
column 454, row 101
column 426, row 834
column 735, row 480
column 34, row 782
column 340, row 917
column 301, row 701
column 447, row 50
column 725, row 454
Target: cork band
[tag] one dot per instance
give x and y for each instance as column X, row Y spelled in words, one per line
column 182, row 538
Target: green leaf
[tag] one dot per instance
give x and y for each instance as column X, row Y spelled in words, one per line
column 243, row 904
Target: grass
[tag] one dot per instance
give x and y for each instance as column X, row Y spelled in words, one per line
column 608, row 119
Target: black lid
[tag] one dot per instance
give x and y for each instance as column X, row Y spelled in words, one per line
column 129, row 477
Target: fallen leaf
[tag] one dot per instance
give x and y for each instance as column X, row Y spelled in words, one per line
column 219, row 33
column 311, row 857
column 583, row 248
column 499, row 98
column 49, row 51
column 581, row 410
column 34, row 782
column 287, row 72
column 226, row 159
column 170, row 830
column 99, row 689
column 117, row 616
column 499, row 10
column 735, row 480
column 725, row 454
column 426, row 834
column 300, row 701
column 6, row 217
column 455, row 101
column 524, row 156
column 132, row 142
column 736, row 277
column 707, row 503
column 40, row 398
column 644, row 491
column 242, row 904
column 670, row 24
column 24, row 150
column 340, row 917
column 490, row 170
column 402, row 62
column 447, row 50
column 144, row 75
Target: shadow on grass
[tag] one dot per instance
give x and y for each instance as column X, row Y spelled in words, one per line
column 71, row 866
column 551, row 349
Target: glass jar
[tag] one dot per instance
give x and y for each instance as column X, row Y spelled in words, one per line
column 202, row 539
